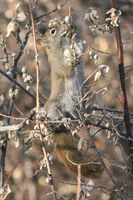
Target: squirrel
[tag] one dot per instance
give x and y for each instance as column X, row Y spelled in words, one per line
column 64, row 48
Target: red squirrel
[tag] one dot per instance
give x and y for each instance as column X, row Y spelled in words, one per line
column 64, row 48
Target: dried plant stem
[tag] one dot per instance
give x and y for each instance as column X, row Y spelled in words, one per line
column 36, row 56
column 69, row 9
column 120, row 193
column 109, row 110
column 5, row 143
column 90, row 139
column 17, row 84
column 78, row 181
column 14, row 127
column 49, row 171
column 11, row 117
column 10, row 107
column 44, row 15
column 37, row 99
column 123, row 85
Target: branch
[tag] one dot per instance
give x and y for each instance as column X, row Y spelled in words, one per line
column 18, row 84
column 36, row 54
column 109, row 110
column 123, row 85
column 96, row 186
column 50, row 178
column 44, row 15
column 120, row 193
column 10, row 107
column 14, row 127
column 22, row 47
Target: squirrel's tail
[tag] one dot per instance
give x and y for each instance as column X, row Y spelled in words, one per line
column 69, row 154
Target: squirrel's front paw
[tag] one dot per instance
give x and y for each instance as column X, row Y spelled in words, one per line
column 40, row 114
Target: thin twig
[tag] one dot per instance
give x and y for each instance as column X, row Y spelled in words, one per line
column 10, row 107
column 37, row 100
column 109, row 110
column 78, row 181
column 96, row 186
column 18, row 84
column 103, row 52
column 22, row 47
column 14, row 127
column 46, row 14
column 11, row 117
column 49, row 171
column 69, row 8
column 36, row 55
column 123, row 85
column 90, row 139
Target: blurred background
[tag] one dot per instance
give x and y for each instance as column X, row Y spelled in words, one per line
column 26, row 181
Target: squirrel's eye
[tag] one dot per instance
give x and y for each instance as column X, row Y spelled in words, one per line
column 53, row 31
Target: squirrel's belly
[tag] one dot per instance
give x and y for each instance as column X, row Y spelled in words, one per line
column 68, row 107
column 70, row 99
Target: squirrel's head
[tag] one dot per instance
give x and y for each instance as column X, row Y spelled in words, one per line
column 59, row 33
column 62, row 43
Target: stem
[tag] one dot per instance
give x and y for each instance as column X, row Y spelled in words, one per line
column 123, row 86
column 48, row 169
column 36, row 56
column 78, row 182
column 18, row 84
column 37, row 98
